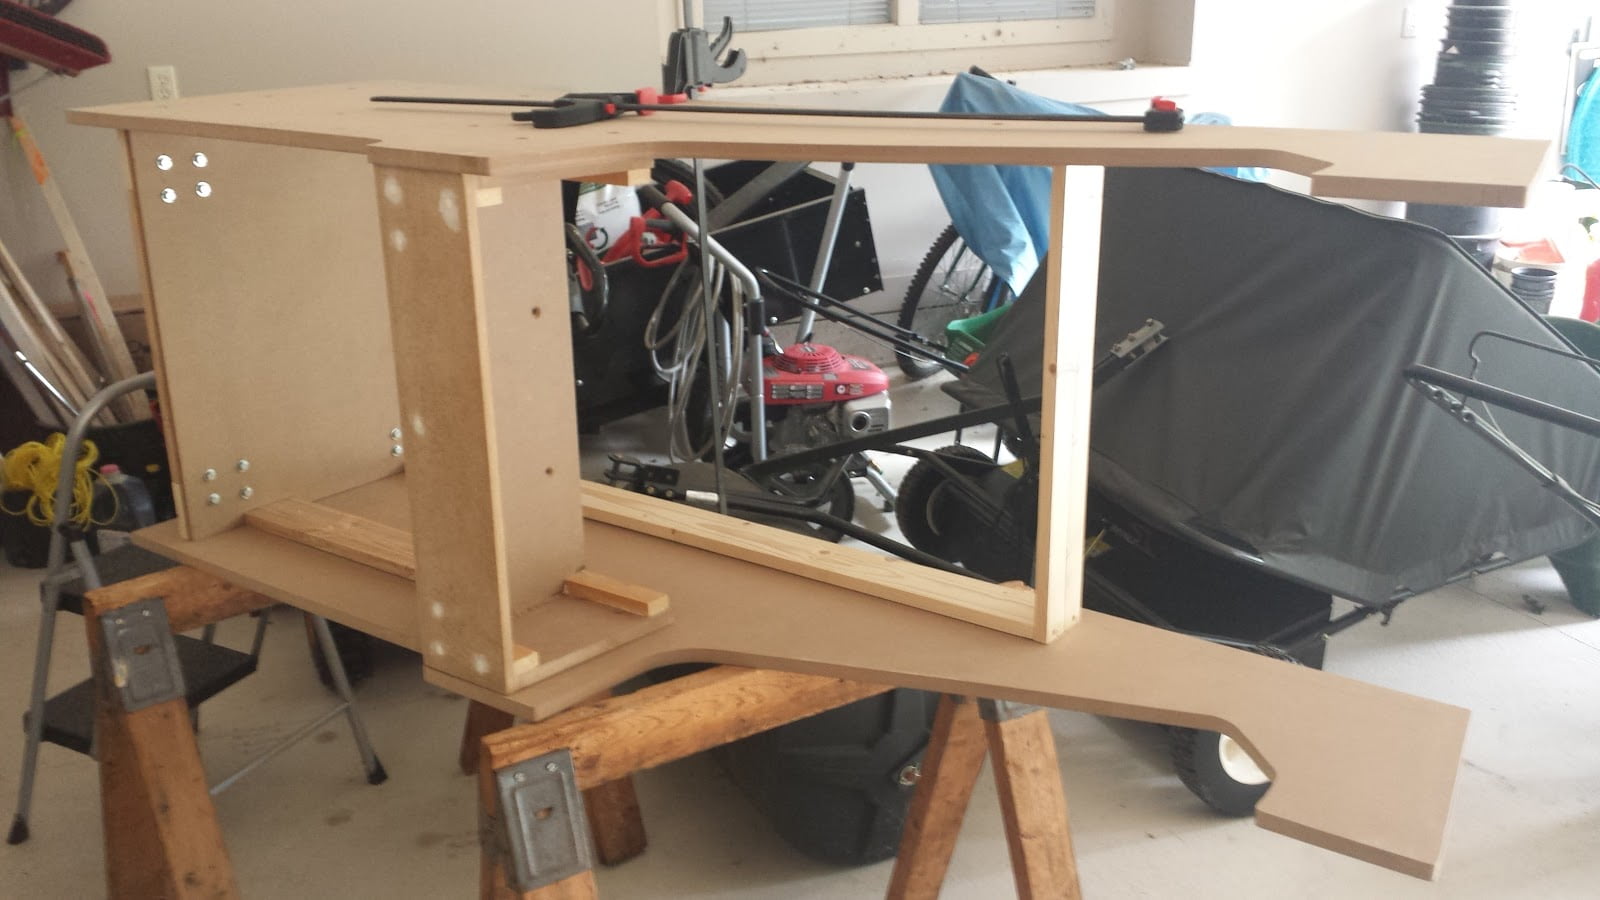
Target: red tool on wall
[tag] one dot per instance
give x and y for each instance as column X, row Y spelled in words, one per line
column 31, row 32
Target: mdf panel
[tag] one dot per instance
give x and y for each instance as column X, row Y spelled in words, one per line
column 267, row 304
column 478, row 308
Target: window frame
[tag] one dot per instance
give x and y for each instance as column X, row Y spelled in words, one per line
column 908, row 35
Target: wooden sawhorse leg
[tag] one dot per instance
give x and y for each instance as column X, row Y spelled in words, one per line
column 1032, row 803
column 613, row 808
column 543, row 766
column 161, row 832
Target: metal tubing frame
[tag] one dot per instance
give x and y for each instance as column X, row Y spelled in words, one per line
column 50, row 586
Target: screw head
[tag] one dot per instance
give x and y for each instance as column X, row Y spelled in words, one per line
column 164, row 162
column 209, row 475
column 168, row 195
column 242, row 465
column 551, row 767
column 394, row 434
column 396, row 450
column 200, row 160
column 213, row 499
column 911, row 774
column 202, row 188
column 246, row 492
column 519, row 777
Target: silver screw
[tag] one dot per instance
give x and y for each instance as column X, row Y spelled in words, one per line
column 396, row 450
column 242, row 465
column 246, row 492
column 200, row 161
column 213, row 499
column 164, row 162
column 394, row 434
column 910, row 775
column 551, row 767
column 519, row 777
column 209, row 475
column 202, row 188
column 168, row 195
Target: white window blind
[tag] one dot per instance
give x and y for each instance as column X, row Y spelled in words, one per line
column 781, row 15
column 942, row 12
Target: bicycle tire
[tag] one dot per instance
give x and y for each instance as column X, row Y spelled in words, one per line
column 947, row 256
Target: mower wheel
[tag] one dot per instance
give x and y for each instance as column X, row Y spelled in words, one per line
column 920, row 505
column 1218, row 770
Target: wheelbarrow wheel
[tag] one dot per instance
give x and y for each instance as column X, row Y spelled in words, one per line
column 1217, row 769
column 951, row 283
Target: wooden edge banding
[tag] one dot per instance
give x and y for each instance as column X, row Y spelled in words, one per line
column 351, row 537
column 615, row 593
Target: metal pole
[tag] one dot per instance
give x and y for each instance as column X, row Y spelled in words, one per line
column 708, row 305
column 830, row 237
column 50, row 593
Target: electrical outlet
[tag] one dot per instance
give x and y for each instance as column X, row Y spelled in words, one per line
column 1408, row 22
column 163, row 82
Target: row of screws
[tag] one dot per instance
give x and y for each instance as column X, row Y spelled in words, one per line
column 243, row 465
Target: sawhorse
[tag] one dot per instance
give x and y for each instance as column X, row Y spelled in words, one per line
column 535, row 833
column 161, row 833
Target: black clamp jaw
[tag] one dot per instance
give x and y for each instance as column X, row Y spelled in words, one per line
column 1163, row 115
column 692, row 60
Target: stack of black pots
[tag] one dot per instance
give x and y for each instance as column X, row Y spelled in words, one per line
column 1471, row 94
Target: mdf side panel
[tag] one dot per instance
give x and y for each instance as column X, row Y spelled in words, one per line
column 265, row 282
column 485, row 376
column 1072, row 289
column 533, row 399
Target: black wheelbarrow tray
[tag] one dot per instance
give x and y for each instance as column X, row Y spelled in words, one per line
column 1271, row 451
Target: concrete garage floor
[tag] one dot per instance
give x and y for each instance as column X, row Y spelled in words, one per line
column 1526, row 819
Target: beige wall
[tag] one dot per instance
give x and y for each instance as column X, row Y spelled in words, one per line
column 1330, row 64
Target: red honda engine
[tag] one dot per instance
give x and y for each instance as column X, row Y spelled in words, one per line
column 816, row 373
column 817, row 395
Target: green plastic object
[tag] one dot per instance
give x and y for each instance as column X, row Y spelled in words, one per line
column 1579, row 567
column 964, row 337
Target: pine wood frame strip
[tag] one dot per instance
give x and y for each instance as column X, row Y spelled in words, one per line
column 73, row 375
column 615, row 593
column 19, row 328
column 342, row 534
column 101, row 319
column 1001, row 607
column 1072, row 276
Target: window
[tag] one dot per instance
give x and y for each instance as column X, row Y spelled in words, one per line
column 842, row 39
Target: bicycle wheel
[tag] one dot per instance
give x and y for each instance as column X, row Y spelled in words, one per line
column 951, row 283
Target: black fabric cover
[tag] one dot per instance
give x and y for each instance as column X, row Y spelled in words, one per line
column 1276, row 419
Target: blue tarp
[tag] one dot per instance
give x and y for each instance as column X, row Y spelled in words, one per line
column 1003, row 212
column 1583, row 136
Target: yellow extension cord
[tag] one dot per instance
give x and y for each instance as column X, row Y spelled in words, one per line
column 33, row 467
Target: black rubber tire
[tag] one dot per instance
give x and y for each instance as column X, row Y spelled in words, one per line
column 917, row 506
column 840, row 503
column 1197, row 757
column 916, row 367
